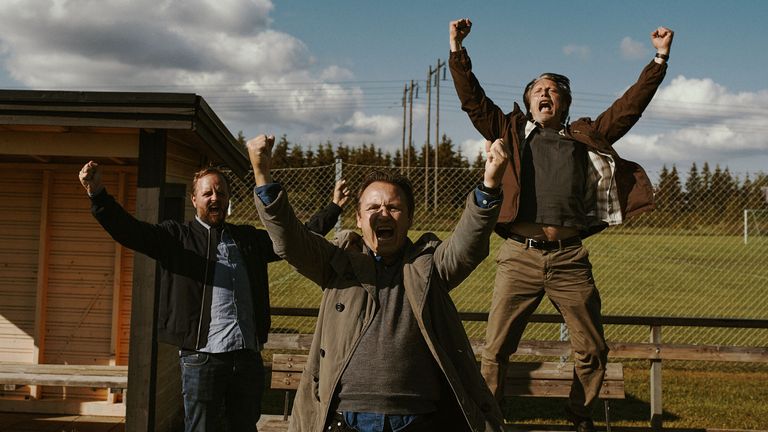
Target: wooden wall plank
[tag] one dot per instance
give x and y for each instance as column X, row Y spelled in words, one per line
column 19, row 262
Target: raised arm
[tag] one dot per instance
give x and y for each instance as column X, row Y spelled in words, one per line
column 323, row 221
column 619, row 118
column 125, row 229
column 485, row 115
column 469, row 245
column 309, row 253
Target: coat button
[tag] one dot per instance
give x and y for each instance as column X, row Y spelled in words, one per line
column 340, row 307
column 322, row 352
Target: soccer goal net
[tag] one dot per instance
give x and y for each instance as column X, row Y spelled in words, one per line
column 755, row 224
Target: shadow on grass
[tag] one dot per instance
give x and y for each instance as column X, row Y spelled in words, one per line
column 519, row 410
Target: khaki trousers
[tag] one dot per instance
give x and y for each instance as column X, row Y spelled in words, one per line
column 523, row 276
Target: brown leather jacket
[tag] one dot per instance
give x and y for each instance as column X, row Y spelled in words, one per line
column 635, row 191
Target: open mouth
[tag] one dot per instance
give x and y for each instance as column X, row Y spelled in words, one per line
column 545, row 106
column 385, row 233
column 214, row 210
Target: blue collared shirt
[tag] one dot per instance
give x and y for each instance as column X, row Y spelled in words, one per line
column 232, row 316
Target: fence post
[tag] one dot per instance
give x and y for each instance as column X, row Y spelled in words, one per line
column 656, row 407
column 564, row 336
column 339, row 175
column 746, row 235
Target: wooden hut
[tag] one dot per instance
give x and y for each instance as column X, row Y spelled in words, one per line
column 69, row 295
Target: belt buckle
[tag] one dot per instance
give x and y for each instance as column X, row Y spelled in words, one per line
column 530, row 243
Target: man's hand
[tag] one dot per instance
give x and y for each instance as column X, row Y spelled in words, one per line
column 260, row 154
column 661, row 38
column 90, row 178
column 495, row 163
column 341, row 193
column 459, row 29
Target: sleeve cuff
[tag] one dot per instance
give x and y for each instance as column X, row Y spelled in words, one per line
column 487, row 199
column 268, row 193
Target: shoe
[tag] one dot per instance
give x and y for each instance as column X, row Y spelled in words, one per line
column 581, row 424
column 584, row 425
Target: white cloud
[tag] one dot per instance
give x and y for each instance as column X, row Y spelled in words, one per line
column 632, row 49
column 699, row 120
column 582, row 52
column 470, row 148
column 224, row 50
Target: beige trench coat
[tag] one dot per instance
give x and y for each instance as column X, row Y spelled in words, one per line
column 346, row 273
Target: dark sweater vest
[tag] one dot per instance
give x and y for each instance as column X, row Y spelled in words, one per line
column 553, row 180
column 392, row 370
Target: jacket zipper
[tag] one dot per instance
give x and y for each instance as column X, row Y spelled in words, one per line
column 202, row 300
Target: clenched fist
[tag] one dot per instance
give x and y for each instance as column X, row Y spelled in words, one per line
column 260, row 154
column 90, row 178
column 495, row 163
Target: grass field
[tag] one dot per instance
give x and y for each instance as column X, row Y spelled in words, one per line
column 638, row 275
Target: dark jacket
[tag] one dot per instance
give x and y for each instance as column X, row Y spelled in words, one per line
column 186, row 254
column 634, row 189
column 347, row 275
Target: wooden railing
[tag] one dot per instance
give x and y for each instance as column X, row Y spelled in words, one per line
column 654, row 350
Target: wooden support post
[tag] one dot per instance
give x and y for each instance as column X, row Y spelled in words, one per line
column 117, row 282
column 656, row 406
column 142, row 357
column 41, row 297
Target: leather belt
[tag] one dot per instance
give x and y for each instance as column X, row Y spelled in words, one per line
column 545, row 244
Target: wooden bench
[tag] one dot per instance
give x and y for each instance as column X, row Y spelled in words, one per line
column 527, row 379
column 114, row 378
column 553, row 379
column 286, row 374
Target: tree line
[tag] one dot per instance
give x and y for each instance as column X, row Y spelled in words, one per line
column 289, row 155
column 705, row 196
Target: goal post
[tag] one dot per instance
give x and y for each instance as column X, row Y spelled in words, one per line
column 755, row 223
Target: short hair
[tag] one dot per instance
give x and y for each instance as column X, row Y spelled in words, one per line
column 398, row 180
column 206, row 171
column 563, row 84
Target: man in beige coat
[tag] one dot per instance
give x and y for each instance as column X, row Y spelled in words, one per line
column 389, row 351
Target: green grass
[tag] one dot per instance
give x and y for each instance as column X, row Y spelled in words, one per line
column 638, row 275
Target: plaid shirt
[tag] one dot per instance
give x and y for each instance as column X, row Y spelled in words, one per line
column 602, row 199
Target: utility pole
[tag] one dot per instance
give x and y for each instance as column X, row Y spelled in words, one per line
column 410, row 121
column 436, row 71
column 426, row 144
column 402, row 152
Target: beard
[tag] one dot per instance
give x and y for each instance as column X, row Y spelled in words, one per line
column 213, row 217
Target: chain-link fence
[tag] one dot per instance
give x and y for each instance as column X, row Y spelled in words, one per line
column 664, row 263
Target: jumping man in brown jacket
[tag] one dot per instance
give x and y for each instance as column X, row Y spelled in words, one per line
column 564, row 183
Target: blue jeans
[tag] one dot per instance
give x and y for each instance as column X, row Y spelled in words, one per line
column 375, row 422
column 222, row 392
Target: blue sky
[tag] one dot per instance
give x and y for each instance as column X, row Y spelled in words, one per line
column 335, row 70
